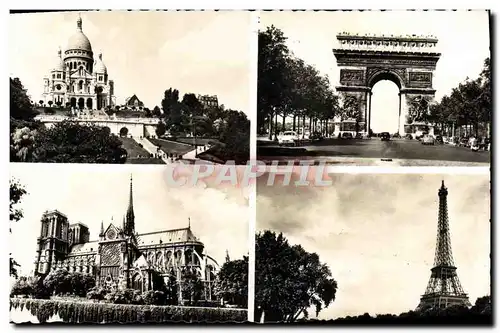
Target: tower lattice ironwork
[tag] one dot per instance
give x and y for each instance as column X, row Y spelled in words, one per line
column 444, row 288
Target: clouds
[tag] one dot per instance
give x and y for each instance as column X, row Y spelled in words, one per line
column 377, row 234
column 91, row 194
column 145, row 52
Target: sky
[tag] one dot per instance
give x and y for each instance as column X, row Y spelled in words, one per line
column 94, row 193
column 377, row 233
column 463, row 42
column 145, row 52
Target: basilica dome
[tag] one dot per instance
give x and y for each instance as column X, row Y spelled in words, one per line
column 79, row 41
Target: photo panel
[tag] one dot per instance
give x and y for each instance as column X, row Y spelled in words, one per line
column 145, row 87
column 374, row 249
column 126, row 244
column 375, row 88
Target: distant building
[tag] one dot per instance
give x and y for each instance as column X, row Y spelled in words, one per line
column 133, row 101
column 209, row 101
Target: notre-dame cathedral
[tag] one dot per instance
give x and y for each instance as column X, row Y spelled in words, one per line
column 122, row 258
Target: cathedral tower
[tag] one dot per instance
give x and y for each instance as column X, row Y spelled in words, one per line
column 53, row 243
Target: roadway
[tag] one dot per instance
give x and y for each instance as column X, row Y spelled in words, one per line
column 374, row 149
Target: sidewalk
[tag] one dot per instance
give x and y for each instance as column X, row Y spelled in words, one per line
column 151, row 148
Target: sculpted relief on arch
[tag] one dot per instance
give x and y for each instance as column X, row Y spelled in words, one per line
column 418, row 107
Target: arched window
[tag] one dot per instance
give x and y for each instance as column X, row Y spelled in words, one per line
column 80, row 85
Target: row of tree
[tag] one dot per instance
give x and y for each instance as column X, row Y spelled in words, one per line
column 479, row 314
column 288, row 87
column 468, row 105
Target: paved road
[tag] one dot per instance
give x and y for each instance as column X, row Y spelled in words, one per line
column 375, row 148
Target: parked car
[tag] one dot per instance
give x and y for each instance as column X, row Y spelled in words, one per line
column 427, row 140
column 288, row 138
column 409, row 136
column 396, row 136
column 316, row 136
column 385, row 136
column 347, row 135
column 439, row 139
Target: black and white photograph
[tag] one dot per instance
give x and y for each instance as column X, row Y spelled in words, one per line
column 135, row 87
column 370, row 88
column 375, row 249
column 96, row 246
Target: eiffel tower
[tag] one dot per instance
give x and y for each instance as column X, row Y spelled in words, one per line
column 444, row 288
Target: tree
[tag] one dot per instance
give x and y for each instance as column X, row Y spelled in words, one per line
column 21, row 107
column 161, row 129
column 231, row 283
column 272, row 74
column 156, row 111
column 50, row 103
column 289, row 280
column 58, row 282
column 17, row 192
column 69, row 142
column 236, row 137
column 192, row 287
column 22, row 144
column 191, row 105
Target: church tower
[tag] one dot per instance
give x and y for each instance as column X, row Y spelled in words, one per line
column 53, row 242
column 129, row 224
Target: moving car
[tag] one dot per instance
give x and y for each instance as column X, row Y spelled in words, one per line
column 347, row 135
column 316, row 136
column 427, row 140
column 385, row 136
column 288, row 138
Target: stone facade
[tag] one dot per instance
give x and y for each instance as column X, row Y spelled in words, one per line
column 208, row 101
column 408, row 61
column 121, row 258
column 77, row 79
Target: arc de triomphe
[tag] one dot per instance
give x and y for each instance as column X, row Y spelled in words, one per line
column 408, row 61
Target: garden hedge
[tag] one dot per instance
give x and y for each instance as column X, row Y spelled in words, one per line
column 91, row 312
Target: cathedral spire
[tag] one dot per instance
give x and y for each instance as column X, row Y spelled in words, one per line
column 102, row 229
column 227, row 256
column 130, row 217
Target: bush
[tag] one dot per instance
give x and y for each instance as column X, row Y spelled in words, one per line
column 127, row 296
column 154, row 297
column 79, row 312
column 97, row 293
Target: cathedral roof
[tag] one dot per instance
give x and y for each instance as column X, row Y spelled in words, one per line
column 167, row 236
column 78, row 41
column 83, row 248
column 99, row 66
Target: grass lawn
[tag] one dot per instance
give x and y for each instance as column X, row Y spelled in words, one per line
column 172, row 147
